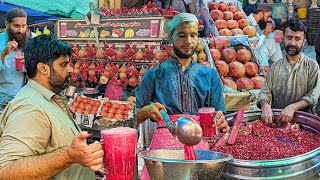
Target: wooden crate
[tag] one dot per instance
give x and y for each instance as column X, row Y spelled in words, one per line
column 234, row 101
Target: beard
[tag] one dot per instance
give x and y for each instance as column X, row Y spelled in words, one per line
column 262, row 24
column 57, row 82
column 181, row 54
column 294, row 52
column 20, row 38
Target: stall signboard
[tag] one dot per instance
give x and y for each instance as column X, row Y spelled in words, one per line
column 118, row 29
column 279, row 11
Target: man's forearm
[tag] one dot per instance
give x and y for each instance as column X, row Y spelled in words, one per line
column 3, row 54
column 300, row 105
column 141, row 115
column 37, row 167
column 264, row 102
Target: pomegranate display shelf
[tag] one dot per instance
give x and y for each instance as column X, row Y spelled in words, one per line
column 304, row 166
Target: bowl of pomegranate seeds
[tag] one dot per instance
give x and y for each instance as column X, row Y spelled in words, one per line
column 261, row 151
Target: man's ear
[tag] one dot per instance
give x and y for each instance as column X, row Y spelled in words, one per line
column 7, row 24
column 43, row 68
column 170, row 36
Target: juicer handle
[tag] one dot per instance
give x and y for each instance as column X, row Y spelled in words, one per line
column 167, row 121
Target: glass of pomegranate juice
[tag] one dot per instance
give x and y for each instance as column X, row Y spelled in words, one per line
column 19, row 64
column 120, row 149
column 208, row 123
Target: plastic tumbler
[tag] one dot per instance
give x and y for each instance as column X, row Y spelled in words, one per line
column 277, row 35
column 207, row 123
column 120, row 149
column 19, row 64
column 63, row 29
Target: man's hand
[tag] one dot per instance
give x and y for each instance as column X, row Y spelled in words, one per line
column 11, row 45
column 287, row 114
column 268, row 29
column 221, row 122
column 22, row 57
column 90, row 155
column 154, row 111
column 267, row 113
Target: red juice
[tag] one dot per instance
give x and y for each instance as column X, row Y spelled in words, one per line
column 206, row 116
column 189, row 153
column 19, row 65
column 120, row 149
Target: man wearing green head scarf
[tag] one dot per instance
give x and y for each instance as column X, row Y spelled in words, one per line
column 181, row 85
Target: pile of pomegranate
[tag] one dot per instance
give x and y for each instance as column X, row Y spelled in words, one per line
column 257, row 141
column 234, row 65
column 229, row 20
column 148, row 9
column 114, row 110
column 85, row 105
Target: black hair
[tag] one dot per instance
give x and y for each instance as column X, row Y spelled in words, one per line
column 44, row 49
column 295, row 25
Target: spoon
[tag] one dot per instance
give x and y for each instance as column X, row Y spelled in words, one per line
column 185, row 130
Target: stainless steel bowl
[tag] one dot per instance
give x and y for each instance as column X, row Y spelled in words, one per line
column 302, row 167
column 169, row 164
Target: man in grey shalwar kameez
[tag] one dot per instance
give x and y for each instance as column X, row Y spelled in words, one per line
column 293, row 83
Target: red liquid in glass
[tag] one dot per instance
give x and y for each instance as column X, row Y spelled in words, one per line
column 189, row 153
column 206, row 121
column 19, row 65
column 120, row 152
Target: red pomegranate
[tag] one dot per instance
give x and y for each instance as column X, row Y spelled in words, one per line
column 215, row 54
column 251, row 68
column 240, row 47
column 244, row 83
column 213, row 5
column 220, row 43
column 244, row 55
column 216, row 14
column 223, row 7
column 221, row 24
column 250, row 31
column 258, row 81
column 225, row 32
column 243, row 23
column 222, row 67
column 229, row 82
column 228, row 55
column 239, row 15
column 233, row 24
column 236, row 69
column 233, row 8
column 227, row 15
column 237, row 31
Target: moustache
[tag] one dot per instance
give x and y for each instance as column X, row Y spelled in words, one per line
column 292, row 46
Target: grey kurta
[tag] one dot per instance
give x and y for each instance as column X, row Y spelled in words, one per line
column 285, row 85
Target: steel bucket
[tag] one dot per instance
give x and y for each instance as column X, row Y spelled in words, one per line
column 301, row 167
column 165, row 164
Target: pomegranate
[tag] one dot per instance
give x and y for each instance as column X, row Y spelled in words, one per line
column 119, row 54
column 92, row 66
column 142, row 71
column 220, row 43
column 237, row 31
column 239, row 15
column 202, row 56
column 139, row 55
column 221, row 24
column 233, row 8
column 251, row 69
column 200, row 46
column 229, row 82
column 250, row 31
column 244, row 83
column 205, row 63
column 223, row 7
column 123, row 69
column 158, row 55
column 122, row 75
column 243, row 23
column 258, row 81
column 233, row 24
column 244, row 55
column 215, row 54
column 213, row 5
column 100, row 53
column 216, row 14
column 92, row 72
column 240, row 47
column 236, row 69
column 77, row 65
column 133, row 81
column 228, row 55
column 227, row 15
column 225, row 32
column 222, row 67
column 82, row 52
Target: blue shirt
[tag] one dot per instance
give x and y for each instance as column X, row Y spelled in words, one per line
column 11, row 81
column 181, row 91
